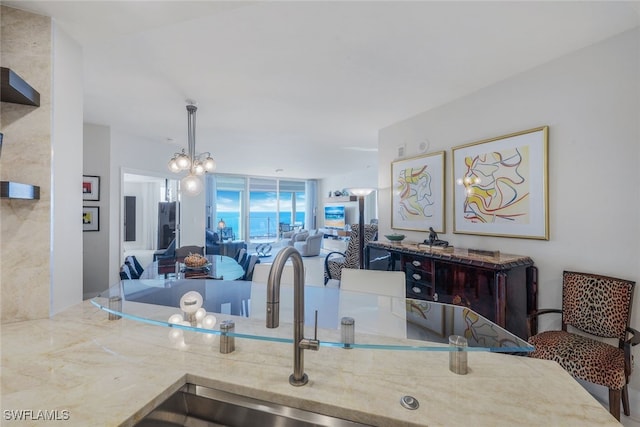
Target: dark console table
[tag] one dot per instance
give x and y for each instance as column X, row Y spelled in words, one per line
column 500, row 287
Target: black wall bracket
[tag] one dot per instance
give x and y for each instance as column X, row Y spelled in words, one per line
column 16, row 190
column 14, row 89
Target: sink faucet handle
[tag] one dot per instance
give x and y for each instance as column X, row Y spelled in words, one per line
column 308, row 344
column 315, row 327
column 312, row 344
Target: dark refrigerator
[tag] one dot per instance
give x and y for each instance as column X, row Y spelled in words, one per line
column 166, row 223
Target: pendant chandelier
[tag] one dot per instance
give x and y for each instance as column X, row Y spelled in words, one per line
column 196, row 164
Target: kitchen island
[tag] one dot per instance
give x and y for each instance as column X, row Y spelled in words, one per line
column 89, row 370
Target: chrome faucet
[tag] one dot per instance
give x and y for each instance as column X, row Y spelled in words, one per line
column 300, row 343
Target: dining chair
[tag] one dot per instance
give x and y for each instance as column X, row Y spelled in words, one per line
column 386, row 289
column 379, row 282
column 261, row 274
column 134, row 265
column 248, row 265
column 167, row 254
column 125, row 272
column 240, row 256
column 592, row 306
column 184, row 251
column 335, row 261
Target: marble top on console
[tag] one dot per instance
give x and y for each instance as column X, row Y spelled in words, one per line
column 497, row 260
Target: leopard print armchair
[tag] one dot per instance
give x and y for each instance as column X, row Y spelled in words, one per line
column 336, row 261
column 600, row 306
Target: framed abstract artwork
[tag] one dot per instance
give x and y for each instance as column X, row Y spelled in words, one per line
column 501, row 186
column 90, row 218
column 417, row 193
column 90, row 187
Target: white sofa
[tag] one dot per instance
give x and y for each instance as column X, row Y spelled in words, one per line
column 307, row 243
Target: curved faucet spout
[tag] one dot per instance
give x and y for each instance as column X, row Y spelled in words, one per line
column 300, row 343
column 273, row 286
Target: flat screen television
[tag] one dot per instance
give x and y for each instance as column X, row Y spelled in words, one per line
column 334, row 216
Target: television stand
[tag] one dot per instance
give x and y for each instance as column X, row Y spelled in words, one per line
column 335, row 233
column 334, row 239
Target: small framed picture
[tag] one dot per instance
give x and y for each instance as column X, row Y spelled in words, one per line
column 90, row 187
column 90, row 218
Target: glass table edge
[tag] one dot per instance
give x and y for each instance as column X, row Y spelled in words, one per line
column 433, row 347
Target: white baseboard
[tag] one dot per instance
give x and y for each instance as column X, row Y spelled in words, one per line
column 634, row 401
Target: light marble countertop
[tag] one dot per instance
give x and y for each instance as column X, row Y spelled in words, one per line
column 110, row 373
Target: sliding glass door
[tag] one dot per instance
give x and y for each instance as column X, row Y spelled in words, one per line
column 263, row 210
column 225, row 203
column 292, row 204
column 257, row 208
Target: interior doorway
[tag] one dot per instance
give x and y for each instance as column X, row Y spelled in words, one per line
column 150, row 215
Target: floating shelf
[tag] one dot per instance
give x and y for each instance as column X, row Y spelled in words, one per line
column 16, row 190
column 341, row 199
column 14, row 89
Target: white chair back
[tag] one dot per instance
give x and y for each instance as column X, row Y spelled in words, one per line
column 387, row 313
column 389, row 283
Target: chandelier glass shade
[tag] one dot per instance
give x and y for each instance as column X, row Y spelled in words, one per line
column 191, row 184
column 196, row 164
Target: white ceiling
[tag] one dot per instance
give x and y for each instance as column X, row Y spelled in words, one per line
column 305, row 86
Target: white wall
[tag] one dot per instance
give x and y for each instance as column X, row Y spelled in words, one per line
column 66, row 166
column 192, row 219
column 96, row 254
column 147, row 196
column 590, row 100
column 359, row 178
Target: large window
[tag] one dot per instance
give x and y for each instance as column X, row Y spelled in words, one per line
column 263, row 209
column 292, row 203
column 257, row 208
column 225, row 201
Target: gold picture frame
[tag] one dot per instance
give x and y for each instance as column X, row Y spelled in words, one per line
column 417, row 193
column 500, row 186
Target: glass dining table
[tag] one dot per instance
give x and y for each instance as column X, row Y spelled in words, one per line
column 218, row 267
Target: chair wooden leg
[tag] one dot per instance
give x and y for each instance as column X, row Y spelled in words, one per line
column 614, row 403
column 625, row 401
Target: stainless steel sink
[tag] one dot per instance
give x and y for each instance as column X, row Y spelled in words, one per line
column 198, row 406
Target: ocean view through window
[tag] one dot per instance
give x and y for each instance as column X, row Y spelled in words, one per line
column 263, row 225
column 256, row 209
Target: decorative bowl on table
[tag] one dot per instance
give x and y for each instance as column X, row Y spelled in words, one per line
column 196, row 262
column 395, row 237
